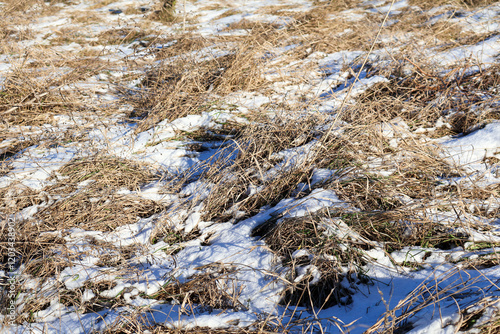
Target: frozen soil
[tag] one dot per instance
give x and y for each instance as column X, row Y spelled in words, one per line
column 250, row 166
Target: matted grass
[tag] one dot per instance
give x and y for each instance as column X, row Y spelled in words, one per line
column 257, row 150
column 180, row 87
column 98, row 206
column 31, row 96
column 212, row 290
column 387, row 203
column 324, row 255
column 423, row 96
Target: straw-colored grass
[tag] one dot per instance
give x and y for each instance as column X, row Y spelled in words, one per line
column 387, row 182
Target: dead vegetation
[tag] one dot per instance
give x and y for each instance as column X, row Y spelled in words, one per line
column 99, row 302
column 323, row 268
column 429, row 4
column 31, row 96
column 180, row 87
column 212, row 290
column 40, row 250
column 120, row 36
column 449, row 284
column 259, row 175
column 137, row 327
column 421, row 96
column 316, row 274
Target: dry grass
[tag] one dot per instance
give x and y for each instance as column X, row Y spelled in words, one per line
column 120, row 36
column 492, row 326
column 207, row 291
column 422, row 97
column 397, row 229
column 176, row 89
column 32, row 96
column 327, row 254
column 450, row 284
column 108, row 212
column 429, row 4
column 97, row 303
column 108, row 172
column 182, row 44
column 253, row 173
column 161, row 329
column 98, row 206
column 17, row 197
column 256, row 150
column 36, row 251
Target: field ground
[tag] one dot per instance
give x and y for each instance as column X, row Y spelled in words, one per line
column 298, row 166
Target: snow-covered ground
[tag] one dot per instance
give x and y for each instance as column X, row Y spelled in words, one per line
column 422, row 288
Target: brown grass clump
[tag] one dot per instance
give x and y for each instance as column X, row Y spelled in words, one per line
column 38, row 256
column 328, row 253
column 138, row 327
column 259, row 32
column 492, row 326
column 184, row 43
column 97, row 206
column 210, row 290
column 108, row 172
column 257, row 150
column 105, row 214
column 176, row 89
column 120, row 36
column 16, row 197
column 400, row 228
column 383, row 193
column 33, row 97
column 13, row 6
column 421, row 97
column 429, row 4
column 114, row 256
column 97, row 303
column 8, row 148
column 36, row 251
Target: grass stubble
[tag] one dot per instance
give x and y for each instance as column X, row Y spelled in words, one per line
column 388, row 211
